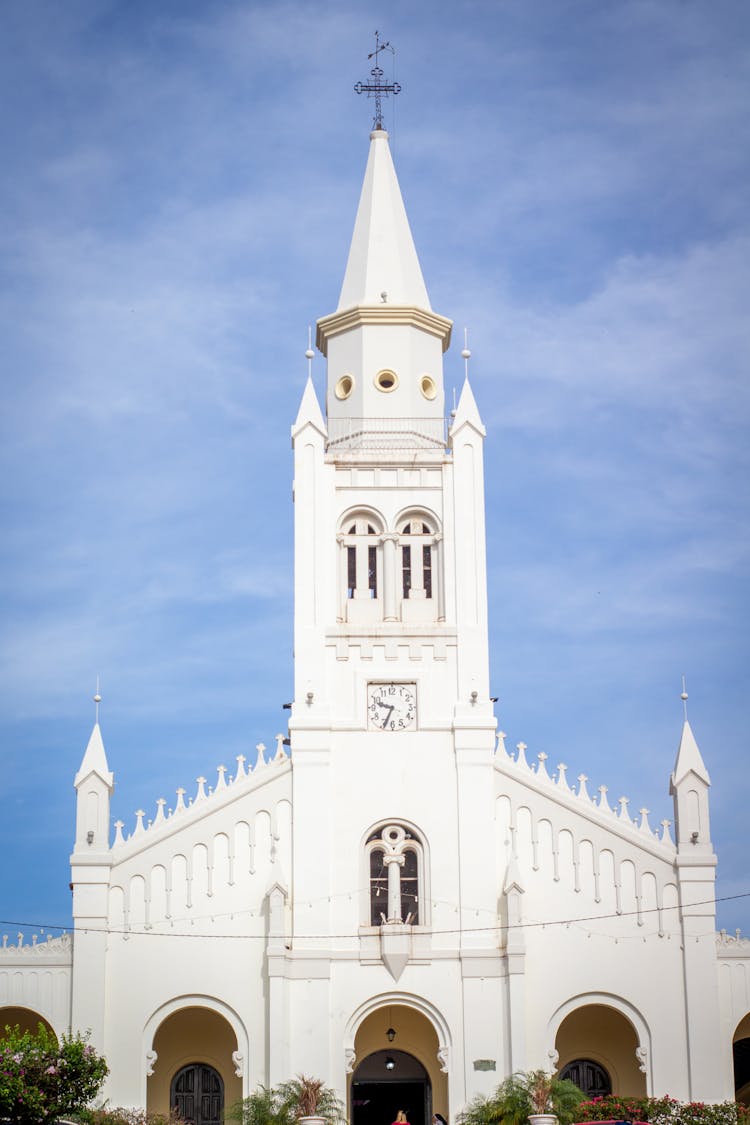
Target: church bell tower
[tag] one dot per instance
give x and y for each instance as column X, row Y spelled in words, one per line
column 392, row 727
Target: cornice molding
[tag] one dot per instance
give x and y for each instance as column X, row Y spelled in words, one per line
column 347, row 319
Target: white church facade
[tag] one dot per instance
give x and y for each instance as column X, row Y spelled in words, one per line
column 386, row 902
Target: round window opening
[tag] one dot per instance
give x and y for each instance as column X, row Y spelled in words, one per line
column 428, row 386
column 386, row 380
column 345, row 386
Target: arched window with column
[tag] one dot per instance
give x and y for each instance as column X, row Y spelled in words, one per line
column 360, row 565
column 395, row 863
column 420, row 585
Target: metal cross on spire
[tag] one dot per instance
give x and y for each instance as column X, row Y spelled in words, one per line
column 377, row 88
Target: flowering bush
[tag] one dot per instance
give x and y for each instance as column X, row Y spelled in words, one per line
column 120, row 1115
column 663, row 1111
column 41, row 1079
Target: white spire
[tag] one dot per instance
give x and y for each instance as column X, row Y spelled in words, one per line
column 689, row 758
column 95, row 760
column 309, row 413
column 467, row 411
column 383, row 268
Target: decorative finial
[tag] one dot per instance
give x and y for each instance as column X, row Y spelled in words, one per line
column 466, row 353
column 684, row 698
column 309, row 354
column 97, row 701
column 378, row 89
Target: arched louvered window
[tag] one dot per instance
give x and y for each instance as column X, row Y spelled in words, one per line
column 360, row 540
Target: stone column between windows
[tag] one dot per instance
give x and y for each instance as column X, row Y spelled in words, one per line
column 417, row 568
column 389, row 577
column 362, row 589
column 342, row 578
column 438, row 583
column 394, row 863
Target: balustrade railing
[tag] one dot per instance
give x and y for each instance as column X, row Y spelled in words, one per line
column 386, row 434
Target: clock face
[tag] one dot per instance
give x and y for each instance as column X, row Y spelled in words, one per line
column 391, row 706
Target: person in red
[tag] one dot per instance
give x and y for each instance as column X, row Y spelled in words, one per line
column 401, row 1118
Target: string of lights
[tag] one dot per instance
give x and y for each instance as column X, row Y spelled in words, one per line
column 498, row 926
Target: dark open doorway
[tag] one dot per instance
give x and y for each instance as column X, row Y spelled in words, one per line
column 386, row 1082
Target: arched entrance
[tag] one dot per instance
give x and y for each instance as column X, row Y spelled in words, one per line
column 397, row 1065
column 389, row 1081
column 741, row 1057
column 194, row 1063
column 598, row 1047
column 197, row 1094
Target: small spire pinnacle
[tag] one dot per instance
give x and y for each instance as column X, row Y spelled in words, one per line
column 309, row 354
column 466, row 353
column 376, row 88
column 97, row 700
column 684, row 698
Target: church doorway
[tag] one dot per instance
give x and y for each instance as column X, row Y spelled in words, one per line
column 386, row 1082
column 197, row 1095
column 398, row 1065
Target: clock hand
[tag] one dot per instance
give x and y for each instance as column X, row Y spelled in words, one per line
column 390, row 712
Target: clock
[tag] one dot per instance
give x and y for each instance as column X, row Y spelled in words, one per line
column 391, row 706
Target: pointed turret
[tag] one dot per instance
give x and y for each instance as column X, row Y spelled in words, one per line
column 383, row 266
column 689, row 785
column 467, row 412
column 94, row 784
column 90, row 867
column 309, row 413
column 384, row 343
column 695, row 868
column 688, row 759
column 94, row 760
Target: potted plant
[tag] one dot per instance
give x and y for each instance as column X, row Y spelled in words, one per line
column 530, row 1095
column 308, row 1101
column 539, row 1085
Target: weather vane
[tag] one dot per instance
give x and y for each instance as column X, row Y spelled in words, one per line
column 377, row 88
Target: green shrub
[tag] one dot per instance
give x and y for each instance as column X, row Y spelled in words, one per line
column 41, row 1079
column 120, row 1115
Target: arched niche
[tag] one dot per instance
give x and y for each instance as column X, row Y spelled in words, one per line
column 605, row 1031
column 190, row 1032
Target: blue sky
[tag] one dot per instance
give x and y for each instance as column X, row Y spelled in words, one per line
column 180, row 182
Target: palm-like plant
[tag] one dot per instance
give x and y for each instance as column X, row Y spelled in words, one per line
column 309, row 1097
column 262, row 1107
column 521, row 1095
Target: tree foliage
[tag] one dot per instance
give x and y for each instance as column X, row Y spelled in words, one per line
column 41, row 1079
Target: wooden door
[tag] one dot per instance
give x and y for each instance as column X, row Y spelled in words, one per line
column 197, row 1094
